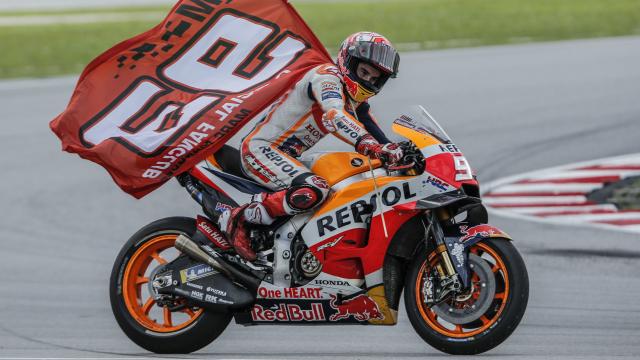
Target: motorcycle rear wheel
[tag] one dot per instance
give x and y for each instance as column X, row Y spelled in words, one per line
column 153, row 327
column 499, row 297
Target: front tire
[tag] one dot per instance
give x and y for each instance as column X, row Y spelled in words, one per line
column 486, row 315
column 155, row 328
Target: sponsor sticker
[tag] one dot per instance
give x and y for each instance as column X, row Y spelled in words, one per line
column 196, row 272
column 458, row 253
column 293, row 146
column 216, row 291
column 451, row 148
column 330, row 244
column 221, row 207
column 348, row 128
column 290, row 293
column 196, row 286
column 212, row 233
column 197, row 295
column 288, row 312
column 361, row 307
column 332, row 282
column 478, row 230
column 269, row 176
column 313, row 134
column 331, row 95
column 437, row 183
column 354, row 213
column 319, row 182
column 330, row 86
column 279, row 161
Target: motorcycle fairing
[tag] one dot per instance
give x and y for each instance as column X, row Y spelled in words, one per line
column 317, row 305
column 352, row 205
column 348, row 233
column 444, row 160
column 337, row 166
column 348, row 228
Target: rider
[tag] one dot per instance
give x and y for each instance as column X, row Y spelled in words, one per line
column 328, row 99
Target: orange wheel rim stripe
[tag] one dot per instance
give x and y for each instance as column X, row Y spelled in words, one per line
column 430, row 317
column 134, row 279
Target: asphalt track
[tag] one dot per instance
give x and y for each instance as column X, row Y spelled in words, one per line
column 511, row 108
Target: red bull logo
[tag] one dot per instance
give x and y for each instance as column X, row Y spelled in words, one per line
column 483, row 230
column 361, row 307
column 288, row 312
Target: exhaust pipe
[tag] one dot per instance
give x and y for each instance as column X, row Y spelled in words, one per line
column 187, row 246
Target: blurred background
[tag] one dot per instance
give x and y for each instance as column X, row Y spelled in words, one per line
column 54, row 37
column 520, row 85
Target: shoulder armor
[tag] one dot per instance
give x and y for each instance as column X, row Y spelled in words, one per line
column 328, row 69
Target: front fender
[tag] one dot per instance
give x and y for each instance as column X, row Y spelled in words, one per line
column 471, row 235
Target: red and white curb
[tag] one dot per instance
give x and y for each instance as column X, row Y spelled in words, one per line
column 558, row 194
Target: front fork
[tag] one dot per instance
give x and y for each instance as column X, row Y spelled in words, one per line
column 451, row 274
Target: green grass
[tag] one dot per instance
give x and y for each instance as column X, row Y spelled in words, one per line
column 427, row 24
column 81, row 10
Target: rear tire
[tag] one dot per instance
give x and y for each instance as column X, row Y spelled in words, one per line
column 133, row 306
column 451, row 326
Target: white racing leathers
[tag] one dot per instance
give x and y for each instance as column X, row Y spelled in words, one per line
column 313, row 108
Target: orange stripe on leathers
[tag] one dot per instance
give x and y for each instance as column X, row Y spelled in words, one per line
column 292, row 129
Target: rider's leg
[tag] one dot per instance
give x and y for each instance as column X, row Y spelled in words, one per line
column 294, row 195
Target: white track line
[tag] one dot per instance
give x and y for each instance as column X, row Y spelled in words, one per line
column 597, row 217
column 545, row 188
column 533, row 200
column 573, row 174
column 533, row 210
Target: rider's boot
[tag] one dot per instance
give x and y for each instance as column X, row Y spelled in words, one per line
column 262, row 210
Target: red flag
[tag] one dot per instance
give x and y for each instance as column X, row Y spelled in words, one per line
column 154, row 105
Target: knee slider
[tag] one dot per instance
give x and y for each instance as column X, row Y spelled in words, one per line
column 306, row 191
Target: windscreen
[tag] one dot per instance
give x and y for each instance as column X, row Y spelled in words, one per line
column 417, row 118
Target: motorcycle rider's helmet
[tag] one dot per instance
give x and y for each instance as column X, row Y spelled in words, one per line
column 373, row 49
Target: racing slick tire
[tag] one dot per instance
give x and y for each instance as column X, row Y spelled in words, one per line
column 481, row 318
column 159, row 329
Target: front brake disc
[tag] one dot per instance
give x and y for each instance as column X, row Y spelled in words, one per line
column 475, row 309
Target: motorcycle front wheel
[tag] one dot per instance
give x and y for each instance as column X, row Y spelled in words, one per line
column 169, row 327
column 482, row 317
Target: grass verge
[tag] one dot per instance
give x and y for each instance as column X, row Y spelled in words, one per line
column 32, row 51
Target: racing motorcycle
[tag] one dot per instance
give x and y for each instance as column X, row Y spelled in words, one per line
column 419, row 227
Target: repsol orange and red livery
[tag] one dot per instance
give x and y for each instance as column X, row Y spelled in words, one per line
column 419, row 228
column 333, row 238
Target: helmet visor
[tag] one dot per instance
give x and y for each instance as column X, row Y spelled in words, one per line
column 383, row 56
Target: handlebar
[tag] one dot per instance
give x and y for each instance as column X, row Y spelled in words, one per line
column 412, row 159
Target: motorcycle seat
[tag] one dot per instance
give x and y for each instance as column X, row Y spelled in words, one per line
column 227, row 160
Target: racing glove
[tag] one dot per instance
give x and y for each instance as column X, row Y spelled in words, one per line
column 391, row 153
